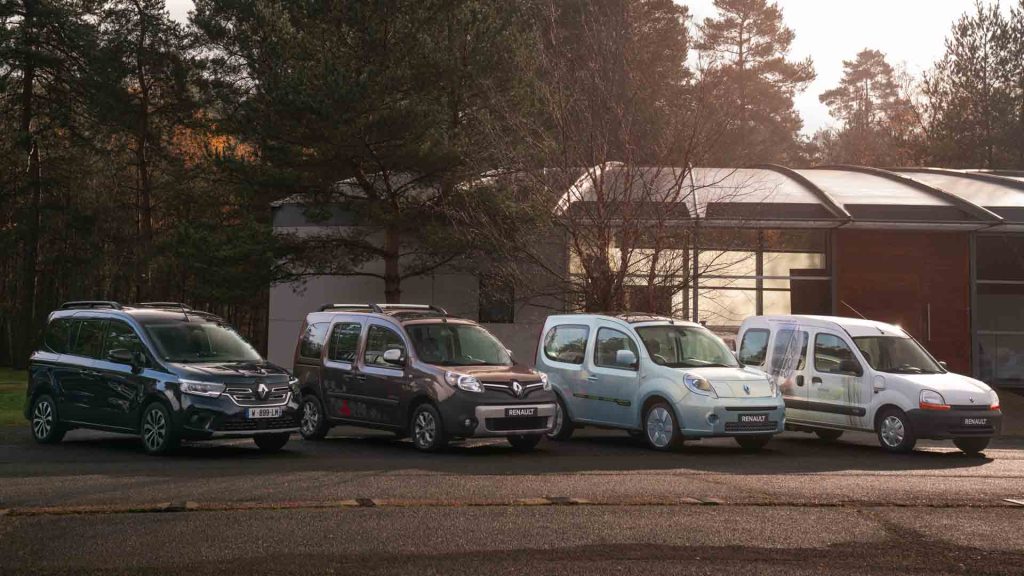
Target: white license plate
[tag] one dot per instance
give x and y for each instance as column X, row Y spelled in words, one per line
column 265, row 412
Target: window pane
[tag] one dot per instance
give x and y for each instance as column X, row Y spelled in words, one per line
column 1001, row 307
column 89, row 338
column 754, row 347
column 566, row 344
column 832, row 355
column 121, row 336
column 313, row 340
column 794, row 263
column 1000, row 257
column 609, row 342
column 57, row 334
column 1001, row 359
column 344, row 340
column 378, row 341
column 726, row 307
column 497, row 300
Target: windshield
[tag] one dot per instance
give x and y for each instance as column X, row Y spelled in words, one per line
column 685, row 347
column 897, row 355
column 200, row 342
column 448, row 344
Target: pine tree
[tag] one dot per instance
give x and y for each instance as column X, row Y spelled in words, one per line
column 748, row 48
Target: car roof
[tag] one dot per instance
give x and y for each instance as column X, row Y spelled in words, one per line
column 855, row 327
column 144, row 313
column 403, row 314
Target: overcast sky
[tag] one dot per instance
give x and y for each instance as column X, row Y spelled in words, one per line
column 830, row 31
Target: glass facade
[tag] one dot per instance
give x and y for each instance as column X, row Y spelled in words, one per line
column 999, row 309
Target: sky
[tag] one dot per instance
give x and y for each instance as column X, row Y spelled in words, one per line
column 910, row 32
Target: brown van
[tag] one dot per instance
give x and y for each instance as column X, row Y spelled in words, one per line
column 414, row 370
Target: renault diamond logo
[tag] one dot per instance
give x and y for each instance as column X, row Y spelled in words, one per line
column 746, row 388
column 262, row 391
column 517, row 389
column 972, row 399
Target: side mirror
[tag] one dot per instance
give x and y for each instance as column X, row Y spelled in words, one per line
column 943, row 364
column 121, row 356
column 625, row 358
column 394, row 356
column 850, row 367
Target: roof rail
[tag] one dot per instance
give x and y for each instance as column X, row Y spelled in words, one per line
column 89, row 304
column 381, row 308
column 171, row 305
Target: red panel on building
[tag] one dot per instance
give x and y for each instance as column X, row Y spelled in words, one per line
column 898, row 277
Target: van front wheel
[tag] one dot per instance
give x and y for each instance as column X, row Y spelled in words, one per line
column 662, row 432
column 894, row 431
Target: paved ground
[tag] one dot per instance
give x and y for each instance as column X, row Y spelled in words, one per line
column 598, row 504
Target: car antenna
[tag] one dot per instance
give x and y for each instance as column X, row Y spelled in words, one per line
column 863, row 317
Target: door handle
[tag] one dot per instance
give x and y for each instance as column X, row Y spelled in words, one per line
column 800, row 380
column 593, row 378
column 815, row 380
column 92, row 373
column 359, row 377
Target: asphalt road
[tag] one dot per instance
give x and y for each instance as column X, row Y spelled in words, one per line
column 363, row 503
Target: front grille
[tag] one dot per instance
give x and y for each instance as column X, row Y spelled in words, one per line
column 506, row 387
column 971, row 407
column 246, row 396
column 751, row 426
column 520, row 423
column 259, row 424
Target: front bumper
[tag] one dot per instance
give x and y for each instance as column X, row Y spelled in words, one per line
column 206, row 418
column 946, row 424
column 710, row 417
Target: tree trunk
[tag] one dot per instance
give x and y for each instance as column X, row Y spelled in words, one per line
column 30, row 255
column 392, row 272
column 142, row 166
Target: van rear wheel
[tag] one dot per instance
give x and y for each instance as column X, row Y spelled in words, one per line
column 662, row 432
column 971, row 446
column 46, row 426
column 828, row 435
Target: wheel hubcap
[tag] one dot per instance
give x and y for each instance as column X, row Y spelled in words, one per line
column 659, row 427
column 893, row 431
column 154, row 429
column 42, row 420
column 424, row 429
column 310, row 418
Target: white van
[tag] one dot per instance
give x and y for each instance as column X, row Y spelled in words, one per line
column 839, row 374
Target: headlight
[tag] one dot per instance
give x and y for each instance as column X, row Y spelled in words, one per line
column 196, row 388
column 463, row 382
column 932, row 400
column 995, row 401
column 544, row 380
column 699, row 385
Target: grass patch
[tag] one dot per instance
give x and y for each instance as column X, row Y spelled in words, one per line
column 12, row 396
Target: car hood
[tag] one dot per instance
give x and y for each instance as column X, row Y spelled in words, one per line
column 955, row 388
column 232, row 372
column 735, row 382
column 497, row 373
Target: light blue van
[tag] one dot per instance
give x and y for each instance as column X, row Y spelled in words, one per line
column 665, row 379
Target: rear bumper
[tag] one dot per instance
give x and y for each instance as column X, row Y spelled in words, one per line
column 943, row 425
column 732, row 417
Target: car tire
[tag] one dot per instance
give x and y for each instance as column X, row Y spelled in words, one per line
column 752, row 443
column 828, row 435
column 971, row 446
column 660, row 428
column 894, row 431
column 564, row 426
column 427, row 429
column 271, row 442
column 524, row 442
column 313, row 420
column 157, row 430
column 46, row 426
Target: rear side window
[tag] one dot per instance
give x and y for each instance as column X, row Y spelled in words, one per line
column 754, row 347
column 344, row 341
column 88, row 339
column 57, row 333
column 566, row 343
column 312, row 343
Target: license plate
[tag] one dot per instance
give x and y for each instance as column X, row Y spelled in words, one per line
column 753, row 418
column 975, row 422
column 265, row 412
column 520, row 412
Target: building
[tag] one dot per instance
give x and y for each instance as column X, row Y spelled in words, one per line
column 937, row 251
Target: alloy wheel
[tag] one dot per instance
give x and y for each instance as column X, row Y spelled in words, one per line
column 893, row 431
column 154, row 429
column 310, row 418
column 424, row 429
column 42, row 419
column 659, row 427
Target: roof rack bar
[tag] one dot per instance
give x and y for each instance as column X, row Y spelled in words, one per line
column 380, row 308
column 88, row 304
column 175, row 305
